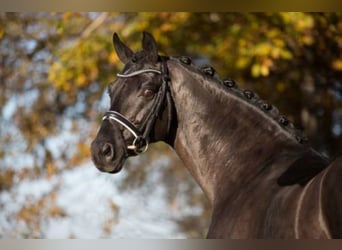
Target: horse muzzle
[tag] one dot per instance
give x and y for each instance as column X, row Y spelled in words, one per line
column 108, row 150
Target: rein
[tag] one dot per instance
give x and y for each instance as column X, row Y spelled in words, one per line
column 141, row 135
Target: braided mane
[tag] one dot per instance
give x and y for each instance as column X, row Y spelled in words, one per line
column 246, row 95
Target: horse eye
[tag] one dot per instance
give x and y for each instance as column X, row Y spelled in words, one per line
column 148, row 93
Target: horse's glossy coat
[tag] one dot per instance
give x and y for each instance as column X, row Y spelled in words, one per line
column 261, row 178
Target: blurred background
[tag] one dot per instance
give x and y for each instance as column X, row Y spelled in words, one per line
column 54, row 71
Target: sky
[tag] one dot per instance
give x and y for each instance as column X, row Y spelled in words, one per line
column 86, row 195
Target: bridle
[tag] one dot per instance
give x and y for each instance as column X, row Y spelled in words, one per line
column 142, row 135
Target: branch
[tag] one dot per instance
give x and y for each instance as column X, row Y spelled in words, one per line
column 96, row 23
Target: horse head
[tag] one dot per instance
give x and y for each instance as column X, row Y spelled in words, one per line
column 140, row 106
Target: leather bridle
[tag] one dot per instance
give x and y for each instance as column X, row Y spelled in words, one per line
column 142, row 135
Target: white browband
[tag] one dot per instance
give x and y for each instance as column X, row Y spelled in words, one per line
column 138, row 72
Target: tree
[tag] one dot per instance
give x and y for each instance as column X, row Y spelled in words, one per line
column 55, row 67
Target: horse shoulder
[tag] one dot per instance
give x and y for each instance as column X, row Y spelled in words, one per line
column 331, row 197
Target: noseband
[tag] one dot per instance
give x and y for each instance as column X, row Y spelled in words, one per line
column 141, row 135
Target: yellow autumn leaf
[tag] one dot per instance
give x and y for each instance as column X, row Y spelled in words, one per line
column 275, row 52
column 242, row 62
column 285, row 54
column 264, row 70
column 81, row 80
column 263, row 49
column 307, row 40
column 255, row 71
column 166, row 27
column 337, row 64
column 113, row 58
column 279, row 42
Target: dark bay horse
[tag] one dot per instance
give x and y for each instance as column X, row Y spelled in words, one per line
column 260, row 175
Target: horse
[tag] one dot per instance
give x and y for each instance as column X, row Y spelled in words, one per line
column 261, row 176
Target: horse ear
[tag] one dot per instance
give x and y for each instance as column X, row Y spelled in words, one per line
column 150, row 46
column 124, row 53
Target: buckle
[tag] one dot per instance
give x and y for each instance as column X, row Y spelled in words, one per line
column 139, row 145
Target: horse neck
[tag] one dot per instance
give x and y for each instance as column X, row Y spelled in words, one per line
column 224, row 141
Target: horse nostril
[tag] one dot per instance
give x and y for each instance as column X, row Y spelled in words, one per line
column 108, row 151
